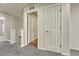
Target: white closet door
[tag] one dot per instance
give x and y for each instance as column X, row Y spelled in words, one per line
column 47, row 29
column 52, row 28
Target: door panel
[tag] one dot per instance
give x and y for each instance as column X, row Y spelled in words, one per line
column 47, row 29
column 52, row 28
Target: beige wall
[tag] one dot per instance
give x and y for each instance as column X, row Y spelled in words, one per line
column 74, row 42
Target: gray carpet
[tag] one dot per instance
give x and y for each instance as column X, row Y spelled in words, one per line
column 6, row 49
column 74, row 52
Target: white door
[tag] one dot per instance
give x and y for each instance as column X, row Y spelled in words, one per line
column 52, row 28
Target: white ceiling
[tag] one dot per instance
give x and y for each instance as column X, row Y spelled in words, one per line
column 15, row 9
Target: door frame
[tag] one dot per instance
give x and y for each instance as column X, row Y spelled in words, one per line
column 30, row 11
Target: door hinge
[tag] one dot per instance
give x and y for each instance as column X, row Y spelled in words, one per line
column 60, row 10
column 60, row 45
column 60, row 27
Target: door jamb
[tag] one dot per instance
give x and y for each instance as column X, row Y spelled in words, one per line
column 30, row 11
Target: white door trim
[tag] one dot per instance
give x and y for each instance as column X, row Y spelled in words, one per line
column 26, row 24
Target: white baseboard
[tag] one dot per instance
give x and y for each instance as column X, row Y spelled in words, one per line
column 74, row 48
column 66, row 54
column 22, row 45
column 8, row 40
column 42, row 48
column 12, row 42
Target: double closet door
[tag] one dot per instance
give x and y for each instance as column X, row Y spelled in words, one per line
column 52, row 33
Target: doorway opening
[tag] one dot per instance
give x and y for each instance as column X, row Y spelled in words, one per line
column 32, row 30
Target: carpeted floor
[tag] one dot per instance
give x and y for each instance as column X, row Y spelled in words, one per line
column 6, row 49
column 74, row 52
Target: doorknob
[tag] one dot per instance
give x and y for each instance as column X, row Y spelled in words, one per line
column 47, row 31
